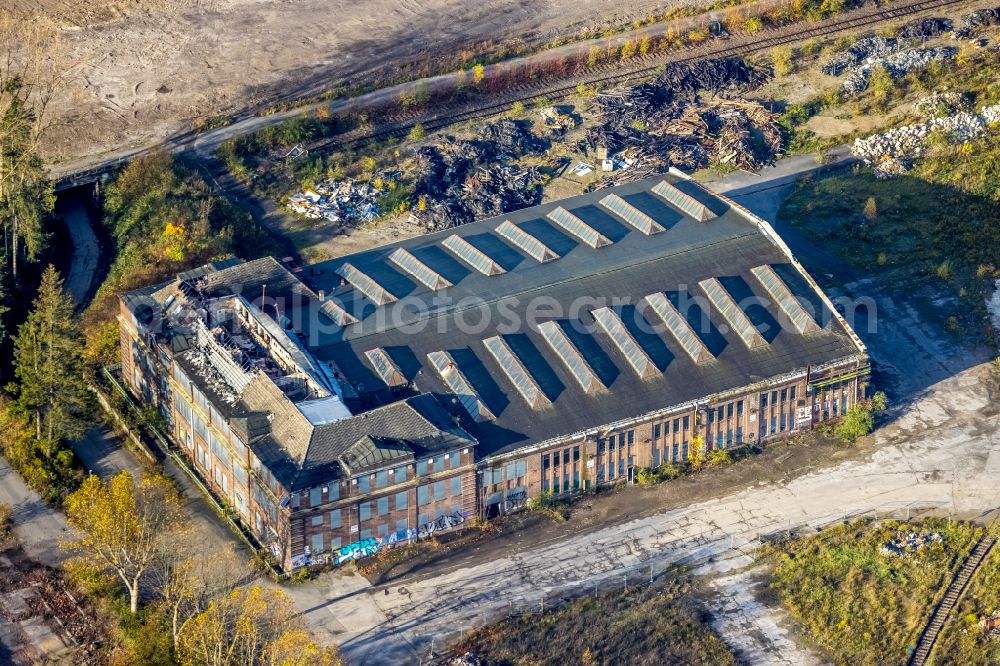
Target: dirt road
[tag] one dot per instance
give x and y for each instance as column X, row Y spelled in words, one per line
column 140, row 71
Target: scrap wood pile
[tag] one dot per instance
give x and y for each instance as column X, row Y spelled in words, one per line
column 971, row 23
column 652, row 126
column 896, row 55
column 461, row 181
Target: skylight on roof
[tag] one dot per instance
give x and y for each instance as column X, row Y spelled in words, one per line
column 631, row 214
column 332, row 309
column 738, row 320
column 679, row 327
column 385, row 367
column 783, row 297
column 456, row 381
column 515, row 371
column 468, row 253
column 571, row 357
column 577, row 227
column 685, row 202
column 527, row 243
column 418, row 269
column 615, row 329
column 375, row 292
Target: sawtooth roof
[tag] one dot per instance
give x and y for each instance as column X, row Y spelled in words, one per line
column 723, row 244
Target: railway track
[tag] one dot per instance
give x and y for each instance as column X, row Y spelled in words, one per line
column 608, row 74
column 612, row 74
column 954, row 592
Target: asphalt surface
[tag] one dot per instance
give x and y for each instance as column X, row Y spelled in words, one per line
column 86, row 249
column 38, row 527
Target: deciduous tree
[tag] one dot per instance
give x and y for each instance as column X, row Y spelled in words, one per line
column 188, row 580
column 252, row 626
column 125, row 527
column 48, row 363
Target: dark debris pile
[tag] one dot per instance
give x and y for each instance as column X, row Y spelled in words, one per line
column 461, row 181
column 666, row 123
column 925, row 27
column 971, row 23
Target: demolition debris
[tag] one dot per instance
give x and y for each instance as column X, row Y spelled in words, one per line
column 338, row 201
column 906, row 543
column 941, row 104
column 972, row 23
column 461, row 181
column 897, row 56
column 652, row 126
column 890, row 153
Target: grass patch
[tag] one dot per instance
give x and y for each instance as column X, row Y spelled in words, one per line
column 937, row 225
column 651, row 625
column 858, row 605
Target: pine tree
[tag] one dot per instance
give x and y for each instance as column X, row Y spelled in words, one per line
column 48, row 364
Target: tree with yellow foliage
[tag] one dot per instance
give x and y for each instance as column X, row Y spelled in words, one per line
column 698, row 452
column 252, row 626
column 125, row 527
column 478, row 73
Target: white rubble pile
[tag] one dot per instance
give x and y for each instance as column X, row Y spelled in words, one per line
column 868, row 46
column 908, row 542
column 887, row 151
column 336, row 201
column 941, row 104
column 896, row 64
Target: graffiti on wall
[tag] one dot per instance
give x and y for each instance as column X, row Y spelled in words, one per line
column 515, row 500
column 372, row 545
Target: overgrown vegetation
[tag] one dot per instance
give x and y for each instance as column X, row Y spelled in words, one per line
column 178, row 606
column 965, row 638
column 658, row 624
column 163, row 218
column 860, row 418
column 49, row 403
column 937, row 225
column 860, row 605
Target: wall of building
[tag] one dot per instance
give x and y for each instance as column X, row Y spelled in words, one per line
column 615, row 455
column 343, row 520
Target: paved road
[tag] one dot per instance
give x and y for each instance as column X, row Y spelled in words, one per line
column 941, row 449
column 38, row 527
column 86, row 249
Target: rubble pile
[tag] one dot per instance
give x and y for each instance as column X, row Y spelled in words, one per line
column 906, row 543
column 971, row 23
column 889, row 151
column 461, row 181
column 925, row 27
column 941, row 104
column 896, row 55
column 649, row 127
column 868, row 46
column 339, row 201
column 896, row 64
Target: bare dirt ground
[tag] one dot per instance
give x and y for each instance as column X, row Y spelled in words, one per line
column 136, row 72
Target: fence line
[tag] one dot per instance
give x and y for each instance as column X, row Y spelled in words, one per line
column 721, row 545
